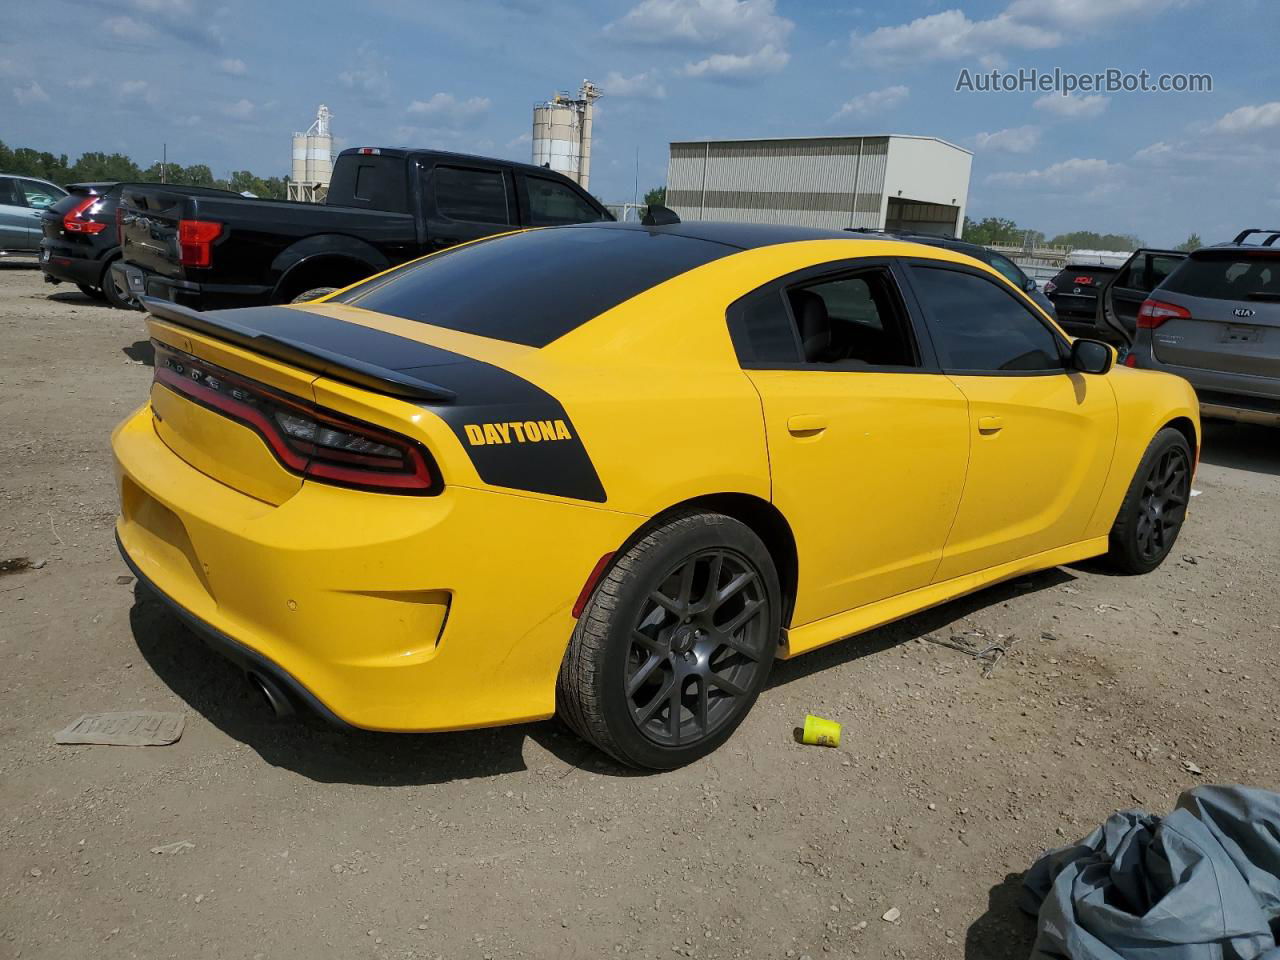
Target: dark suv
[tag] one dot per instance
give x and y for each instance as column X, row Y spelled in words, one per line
column 1074, row 292
column 1215, row 320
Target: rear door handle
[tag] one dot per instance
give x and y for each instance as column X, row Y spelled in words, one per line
column 806, row 425
column 990, row 424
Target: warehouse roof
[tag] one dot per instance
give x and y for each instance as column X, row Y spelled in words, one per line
column 851, row 136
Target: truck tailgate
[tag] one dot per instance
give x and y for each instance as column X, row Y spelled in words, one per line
column 149, row 221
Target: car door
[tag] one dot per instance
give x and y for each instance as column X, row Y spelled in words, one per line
column 14, row 216
column 38, row 196
column 1041, row 436
column 1123, row 293
column 867, row 440
column 466, row 202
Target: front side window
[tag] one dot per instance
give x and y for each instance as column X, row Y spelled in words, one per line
column 977, row 326
column 477, row 196
column 1009, row 270
column 10, row 195
column 552, row 203
column 40, row 195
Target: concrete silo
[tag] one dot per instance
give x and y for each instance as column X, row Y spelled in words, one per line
column 312, row 160
column 562, row 133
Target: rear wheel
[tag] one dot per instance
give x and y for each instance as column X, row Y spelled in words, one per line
column 676, row 643
column 1155, row 505
column 115, row 296
column 93, row 293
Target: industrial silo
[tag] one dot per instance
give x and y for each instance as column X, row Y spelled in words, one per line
column 562, row 133
column 312, row 160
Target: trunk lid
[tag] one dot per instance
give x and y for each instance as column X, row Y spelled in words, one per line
column 1233, row 297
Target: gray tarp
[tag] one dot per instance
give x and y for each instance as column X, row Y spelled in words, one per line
column 1202, row 883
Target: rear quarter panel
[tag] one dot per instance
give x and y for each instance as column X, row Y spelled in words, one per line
column 1146, row 401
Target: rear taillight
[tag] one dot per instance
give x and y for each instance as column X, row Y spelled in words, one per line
column 1130, row 359
column 1084, row 281
column 306, row 439
column 1050, row 287
column 195, row 242
column 1152, row 313
column 74, row 220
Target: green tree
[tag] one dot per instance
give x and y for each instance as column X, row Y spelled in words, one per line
column 1192, row 242
column 656, row 197
column 991, row 230
column 1088, row 240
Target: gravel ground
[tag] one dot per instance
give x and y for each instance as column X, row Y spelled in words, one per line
column 522, row 842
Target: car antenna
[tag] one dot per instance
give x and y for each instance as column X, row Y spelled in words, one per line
column 659, row 216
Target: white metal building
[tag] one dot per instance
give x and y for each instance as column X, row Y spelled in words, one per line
column 892, row 182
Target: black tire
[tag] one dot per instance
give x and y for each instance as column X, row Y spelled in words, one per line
column 113, row 294
column 1154, row 506
column 313, row 294
column 701, row 656
column 93, row 293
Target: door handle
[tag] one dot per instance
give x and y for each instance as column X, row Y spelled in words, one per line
column 990, row 424
column 806, row 425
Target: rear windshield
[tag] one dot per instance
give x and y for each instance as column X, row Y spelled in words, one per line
column 533, row 287
column 1084, row 276
column 371, row 181
column 1228, row 276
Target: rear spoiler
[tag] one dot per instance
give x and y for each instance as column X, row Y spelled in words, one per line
column 299, row 354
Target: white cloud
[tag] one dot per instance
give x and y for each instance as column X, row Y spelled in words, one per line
column 368, row 81
column 1062, row 174
column 1087, row 13
column 235, row 68
column 734, row 26
column 643, row 85
column 82, row 81
column 239, row 110
column 127, row 28
column 448, row 108
column 875, row 101
column 30, row 93
column 1155, row 153
column 1249, row 119
column 768, row 59
column 950, row 35
column 517, row 141
column 1073, row 106
column 1011, row 140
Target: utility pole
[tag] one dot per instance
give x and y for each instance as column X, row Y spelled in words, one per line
column 164, row 162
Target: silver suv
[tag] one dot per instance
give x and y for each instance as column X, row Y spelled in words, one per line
column 22, row 200
column 1215, row 320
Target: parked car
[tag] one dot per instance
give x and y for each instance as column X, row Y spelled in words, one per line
column 1074, row 294
column 430, row 502
column 385, row 206
column 22, row 201
column 81, row 240
column 1215, row 320
column 994, row 259
column 1122, row 294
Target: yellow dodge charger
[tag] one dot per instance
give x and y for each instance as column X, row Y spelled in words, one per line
column 614, row 470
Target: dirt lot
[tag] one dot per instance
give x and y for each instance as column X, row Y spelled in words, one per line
column 523, row 842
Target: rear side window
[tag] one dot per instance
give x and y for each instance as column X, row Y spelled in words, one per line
column 977, row 326
column 536, row 286
column 1228, row 276
column 552, row 203
column 477, row 196
column 856, row 320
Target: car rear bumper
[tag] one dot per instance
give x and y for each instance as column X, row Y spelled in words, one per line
column 71, row 269
column 375, row 611
column 1224, row 396
column 189, row 293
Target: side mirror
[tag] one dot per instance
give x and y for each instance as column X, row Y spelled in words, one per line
column 1031, row 286
column 1091, row 356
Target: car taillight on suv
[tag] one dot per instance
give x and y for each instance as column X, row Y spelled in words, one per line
column 75, row 221
column 1154, row 312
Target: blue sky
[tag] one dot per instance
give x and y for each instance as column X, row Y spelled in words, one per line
column 226, row 83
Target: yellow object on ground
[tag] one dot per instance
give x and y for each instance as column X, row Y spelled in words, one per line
column 820, row 732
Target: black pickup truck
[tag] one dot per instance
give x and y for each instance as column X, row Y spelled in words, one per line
column 385, row 206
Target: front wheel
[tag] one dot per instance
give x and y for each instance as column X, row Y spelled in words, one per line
column 93, row 293
column 1154, row 507
column 675, row 644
